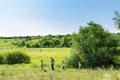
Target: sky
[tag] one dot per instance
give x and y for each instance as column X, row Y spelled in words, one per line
column 43, row 17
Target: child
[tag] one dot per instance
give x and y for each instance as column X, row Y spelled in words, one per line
column 63, row 64
column 79, row 64
column 42, row 65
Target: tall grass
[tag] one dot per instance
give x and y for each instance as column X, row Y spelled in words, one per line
column 32, row 71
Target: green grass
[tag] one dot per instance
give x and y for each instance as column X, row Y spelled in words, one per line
column 37, row 54
column 32, row 71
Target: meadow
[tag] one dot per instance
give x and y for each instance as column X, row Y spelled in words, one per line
column 32, row 71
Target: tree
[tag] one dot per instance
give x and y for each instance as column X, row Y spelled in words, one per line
column 56, row 42
column 45, row 42
column 93, row 47
column 66, row 41
column 117, row 19
column 32, row 44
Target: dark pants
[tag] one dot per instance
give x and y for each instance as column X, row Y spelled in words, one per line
column 52, row 66
column 63, row 67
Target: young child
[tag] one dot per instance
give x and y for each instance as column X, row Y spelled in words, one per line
column 79, row 64
column 42, row 65
column 63, row 64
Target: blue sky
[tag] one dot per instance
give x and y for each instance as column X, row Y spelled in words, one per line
column 42, row 17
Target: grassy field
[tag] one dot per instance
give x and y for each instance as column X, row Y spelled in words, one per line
column 32, row 71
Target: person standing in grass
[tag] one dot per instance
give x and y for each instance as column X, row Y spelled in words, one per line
column 52, row 63
column 63, row 65
column 42, row 65
column 79, row 64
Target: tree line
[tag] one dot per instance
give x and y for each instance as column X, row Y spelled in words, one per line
column 48, row 41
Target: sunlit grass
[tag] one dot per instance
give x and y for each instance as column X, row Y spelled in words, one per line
column 32, row 71
column 45, row 53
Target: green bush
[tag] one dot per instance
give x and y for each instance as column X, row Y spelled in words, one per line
column 16, row 57
column 94, row 47
column 1, row 59
column 73, row 61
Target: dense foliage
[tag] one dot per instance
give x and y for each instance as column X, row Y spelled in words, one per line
column 117, row 19
column 94, row 47
column 14, row 57
column 38, row 41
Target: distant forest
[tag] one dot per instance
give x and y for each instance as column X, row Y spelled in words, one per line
column 48, row 41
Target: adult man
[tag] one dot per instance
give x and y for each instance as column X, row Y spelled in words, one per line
column 52, row 63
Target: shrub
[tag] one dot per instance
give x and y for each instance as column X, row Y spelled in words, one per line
column 72, row 61
column 94, row 47
column 16, row 57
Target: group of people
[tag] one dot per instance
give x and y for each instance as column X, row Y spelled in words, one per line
column 53, row 63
